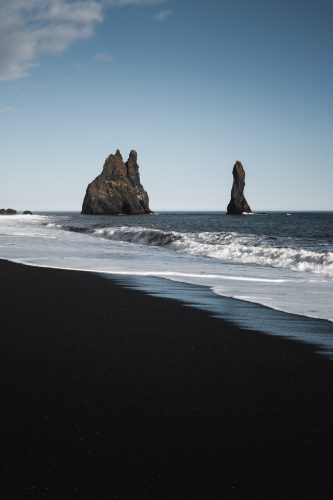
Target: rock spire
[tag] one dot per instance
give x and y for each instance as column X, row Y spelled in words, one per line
column 238, row 203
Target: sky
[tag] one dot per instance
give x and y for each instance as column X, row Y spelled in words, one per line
column 192, row 85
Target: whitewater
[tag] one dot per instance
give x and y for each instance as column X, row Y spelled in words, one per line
column 283, row 261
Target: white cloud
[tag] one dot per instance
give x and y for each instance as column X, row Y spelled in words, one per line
column 31, row 29
column 101, row 57
column 164, row 14
column 8, row 110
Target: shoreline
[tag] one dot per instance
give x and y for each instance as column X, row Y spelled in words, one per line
column 111, row 392
column 243, row 314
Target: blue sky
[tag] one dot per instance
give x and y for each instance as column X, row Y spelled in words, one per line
column 192, row 85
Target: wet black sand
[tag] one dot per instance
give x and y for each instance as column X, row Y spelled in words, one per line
column 109, row 393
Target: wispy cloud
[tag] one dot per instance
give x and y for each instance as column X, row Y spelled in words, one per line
column 33, row 29
column 30, row 30
column 164, row 14
column 104, row 58
column 7, row 110
column 122, row 3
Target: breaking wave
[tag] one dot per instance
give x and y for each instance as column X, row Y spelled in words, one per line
column 244, row 250
column 138, row 235
column 227, row 247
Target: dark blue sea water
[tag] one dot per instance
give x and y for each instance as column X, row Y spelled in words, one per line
column 296, row 230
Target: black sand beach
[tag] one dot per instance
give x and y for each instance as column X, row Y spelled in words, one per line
column 109, row 393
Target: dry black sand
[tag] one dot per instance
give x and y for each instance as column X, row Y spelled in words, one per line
column 109, row 393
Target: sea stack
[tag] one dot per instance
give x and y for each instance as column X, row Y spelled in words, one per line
column 8, row 211
column 238, row 203
column 117, row 189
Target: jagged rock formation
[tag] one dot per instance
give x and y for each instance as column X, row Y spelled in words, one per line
column 27, row 212
column 7, row 211
column 117, row 190
column 238, row 203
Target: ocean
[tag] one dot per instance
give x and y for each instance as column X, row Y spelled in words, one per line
column 270, row 272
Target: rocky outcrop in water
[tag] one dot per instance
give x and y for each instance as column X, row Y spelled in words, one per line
column 117, row 190
column 238, row 203
column 7, row 211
